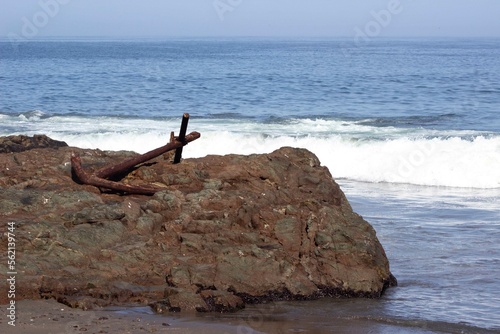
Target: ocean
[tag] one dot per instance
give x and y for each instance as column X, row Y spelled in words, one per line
column 409, row 128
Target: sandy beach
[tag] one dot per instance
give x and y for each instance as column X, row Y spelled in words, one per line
column 49, row 316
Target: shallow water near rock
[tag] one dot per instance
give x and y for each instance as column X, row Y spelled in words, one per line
column 319, row 316
column 443, row 247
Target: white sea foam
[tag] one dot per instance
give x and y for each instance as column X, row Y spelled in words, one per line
column 34, row 115
column 349, row 149
column 453, row 162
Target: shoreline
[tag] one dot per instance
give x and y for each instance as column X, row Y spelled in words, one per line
column 49, row 316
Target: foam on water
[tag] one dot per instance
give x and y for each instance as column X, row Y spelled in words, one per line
column 349, row 149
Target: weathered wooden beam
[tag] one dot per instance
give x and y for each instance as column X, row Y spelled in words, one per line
column 126, row 165
column 181, row 138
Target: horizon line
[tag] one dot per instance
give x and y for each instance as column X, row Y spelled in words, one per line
column 290, row 37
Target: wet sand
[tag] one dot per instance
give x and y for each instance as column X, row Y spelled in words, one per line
column 49, row 316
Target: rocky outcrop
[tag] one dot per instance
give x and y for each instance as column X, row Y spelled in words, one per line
column 226, row 231
column 23, row 143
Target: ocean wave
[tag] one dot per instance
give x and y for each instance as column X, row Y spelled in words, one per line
column 32, row 115
column 411, row 121
column 349, row 149
column 452, row 162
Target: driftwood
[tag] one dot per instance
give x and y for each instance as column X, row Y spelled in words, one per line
column 99, row 178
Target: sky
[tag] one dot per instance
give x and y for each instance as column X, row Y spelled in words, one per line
column 32, row 19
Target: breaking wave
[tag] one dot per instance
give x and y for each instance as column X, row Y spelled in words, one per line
column 350, row 149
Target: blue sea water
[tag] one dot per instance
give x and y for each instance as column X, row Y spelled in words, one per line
column 410, row 128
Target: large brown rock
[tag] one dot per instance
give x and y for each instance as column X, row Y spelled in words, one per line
column 23, row 143
column 227, row 230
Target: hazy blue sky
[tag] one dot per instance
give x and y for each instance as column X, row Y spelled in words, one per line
column 31, row 19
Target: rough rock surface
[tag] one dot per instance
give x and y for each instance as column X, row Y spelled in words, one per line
column 23, row 143
column 227, row 230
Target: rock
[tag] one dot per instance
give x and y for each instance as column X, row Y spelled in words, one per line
column 227, row 231
column 23, row 143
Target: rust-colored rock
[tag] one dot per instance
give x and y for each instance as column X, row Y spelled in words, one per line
column 227, row 230
column 23, row 143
